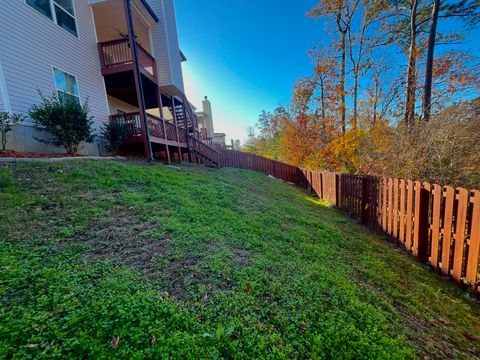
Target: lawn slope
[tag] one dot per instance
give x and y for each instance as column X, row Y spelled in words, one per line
column 128, row 260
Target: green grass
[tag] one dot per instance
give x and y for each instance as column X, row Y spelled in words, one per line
column 126, row 260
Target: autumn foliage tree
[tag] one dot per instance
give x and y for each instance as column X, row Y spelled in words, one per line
column 388, row 94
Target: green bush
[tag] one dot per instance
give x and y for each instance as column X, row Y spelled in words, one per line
column 7, row 123
column 65, row 119
column 114, row 134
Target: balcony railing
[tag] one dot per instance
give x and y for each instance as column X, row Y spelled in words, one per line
column 117, row 52
column 158, row 127
column 131, row 123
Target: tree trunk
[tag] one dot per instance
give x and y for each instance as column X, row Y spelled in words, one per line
column 355, row 100
column 342, row 81
column 412, row 64
column 375, row 100
column 322, row 98
column 427, row 96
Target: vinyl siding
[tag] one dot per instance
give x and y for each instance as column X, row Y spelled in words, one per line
column 2, row 105
column 165, row 44
column 31, row 44
column 116, row 104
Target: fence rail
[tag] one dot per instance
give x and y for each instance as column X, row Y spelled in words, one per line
column 232, row 158
column 437, row 224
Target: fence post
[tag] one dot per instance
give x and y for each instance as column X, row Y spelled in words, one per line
column 420, row 236
column 365, row 202
column 337, row 188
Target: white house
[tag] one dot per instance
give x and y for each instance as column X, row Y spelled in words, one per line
column 123, row 55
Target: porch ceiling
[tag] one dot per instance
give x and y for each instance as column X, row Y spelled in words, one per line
column 122, row 86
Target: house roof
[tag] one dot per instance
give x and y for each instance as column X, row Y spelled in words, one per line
column 150, row 10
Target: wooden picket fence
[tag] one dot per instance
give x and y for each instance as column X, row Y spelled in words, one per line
column 437, row 224
column 237, row 159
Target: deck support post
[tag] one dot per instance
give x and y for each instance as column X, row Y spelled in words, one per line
column 160, row 108
column 138, row 80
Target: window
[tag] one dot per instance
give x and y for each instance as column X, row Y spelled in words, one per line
column 42, row 6
column 66, row 85
column 60, row 11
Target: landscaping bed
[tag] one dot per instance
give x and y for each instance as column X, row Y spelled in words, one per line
column 28, row 155
column 130, row 260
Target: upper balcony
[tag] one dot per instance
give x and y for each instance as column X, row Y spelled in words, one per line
column 112, row 35
column 116, row 56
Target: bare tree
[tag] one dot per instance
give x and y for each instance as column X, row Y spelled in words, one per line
column 468, row 12
column 342, row 12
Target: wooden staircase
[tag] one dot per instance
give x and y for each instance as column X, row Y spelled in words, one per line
column 203, row 153
column 200, row 152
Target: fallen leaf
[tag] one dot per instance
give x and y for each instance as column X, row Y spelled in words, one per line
column 115, row 341
column 443, row 321
column 472, row 337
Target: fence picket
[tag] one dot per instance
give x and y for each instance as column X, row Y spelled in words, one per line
column 437, row 198
column 447, row 229
column 474, row 246
column 402, row 212
column 459, row 236
column 384, row 205
column 390, row 207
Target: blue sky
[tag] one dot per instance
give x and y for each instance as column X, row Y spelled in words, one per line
column 245, row 55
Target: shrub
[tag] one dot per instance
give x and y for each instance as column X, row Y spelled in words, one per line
column 7, row 123
column 65, row 119
column 114, row 134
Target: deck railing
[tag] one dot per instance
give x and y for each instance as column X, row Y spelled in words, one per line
column 117, row 52
column 200, row 147
column 131, row 123
column 158, row 127
column 155, row 126
column 171, row 131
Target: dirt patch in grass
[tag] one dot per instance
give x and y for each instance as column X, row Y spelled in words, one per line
column 184, row 275
column 241, row 257
column 124, row 239
column 179, row 275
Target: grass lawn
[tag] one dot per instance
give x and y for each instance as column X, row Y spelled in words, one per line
column 128, row 260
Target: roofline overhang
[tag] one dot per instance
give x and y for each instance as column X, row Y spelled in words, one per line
column 150, row 10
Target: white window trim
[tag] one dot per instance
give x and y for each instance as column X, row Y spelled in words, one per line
column 54, row 15
column 4, row 90
column 68, row 73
